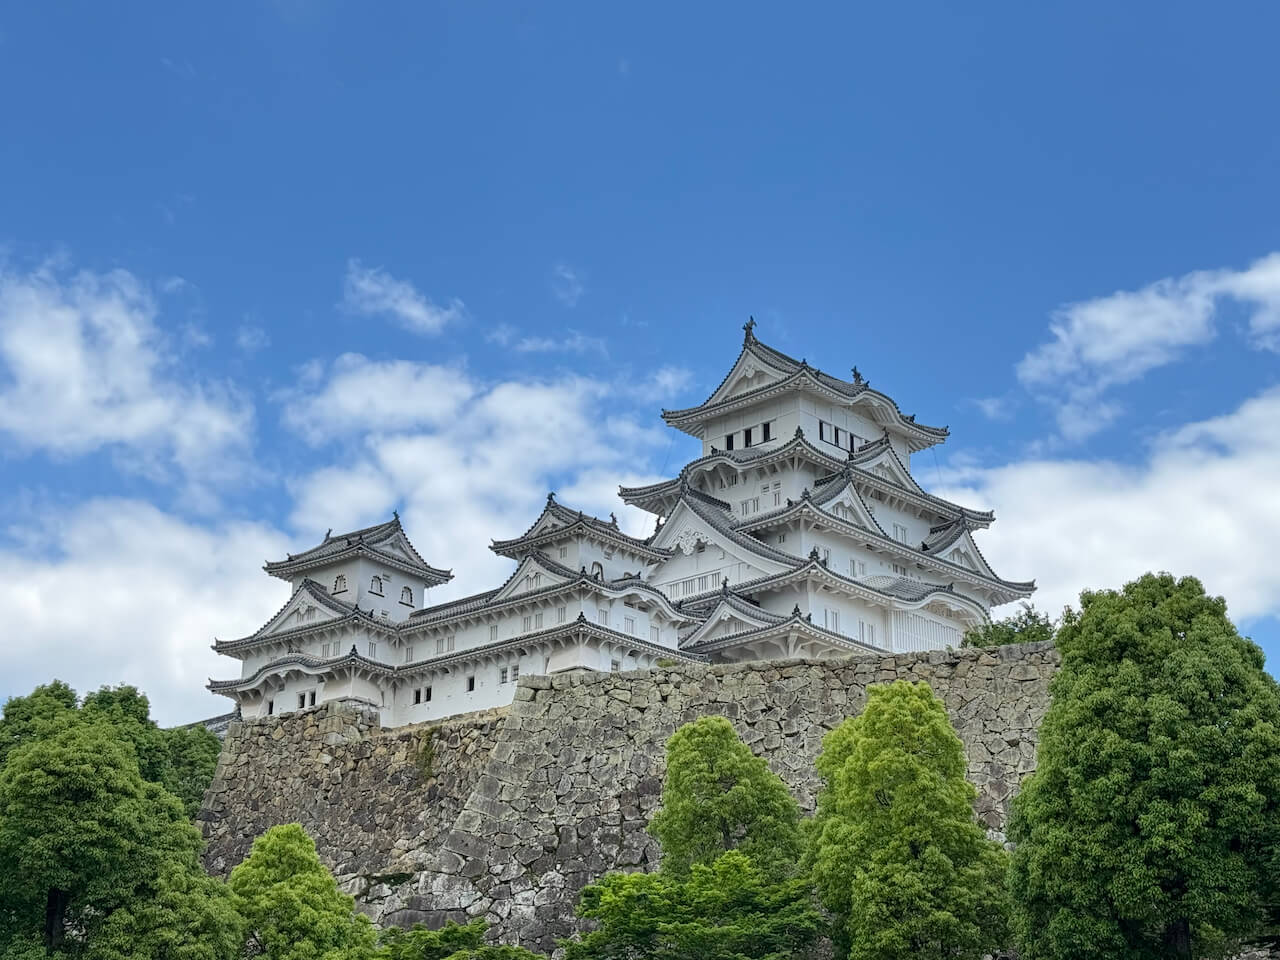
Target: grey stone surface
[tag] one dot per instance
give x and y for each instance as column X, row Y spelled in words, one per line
column 518, row 809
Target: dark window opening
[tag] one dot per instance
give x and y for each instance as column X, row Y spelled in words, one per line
column 271, row 707
column 417, row 696
column 822, row 430
column 311, row 699
column 426, row 695
column 728, row 441
column 766, row 432
column 471, row 683
column 746, row 437
column 302, row 700
column 375, row 586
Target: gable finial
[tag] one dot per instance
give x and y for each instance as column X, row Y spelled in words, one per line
column 799, row 431
column 813, row 554
column 749, row 327
column 857, row 377
column 328, row 533
column 551, row 496
column 395, row 515
column 795, row 611
column 724, row 586
column 613, row 518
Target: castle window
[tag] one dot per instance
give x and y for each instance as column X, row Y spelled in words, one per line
column 655, row 635
column 527, row 623
column 375, row 586
column 302, row 700
column 900, row 533
column 537, row 621
column 471, row 683
column 324, row 650
column 728, row 441
column 406, row 596
column 615, row 666
column 629, row 625
column 502, row 675
column 339, row 583
column 746, row 437
column 561, row 614
column 271, row 707
column 493, row 632
column 766, row 431
column 899, row 569
column 426, row 694
column 602, row 616
column 564, row 552
column 373, row 649
column 408, row 654
column 515, row 672
column 311, row 699
column 597, row 570
column 417, row 696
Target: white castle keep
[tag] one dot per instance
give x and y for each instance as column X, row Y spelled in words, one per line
column 799, row 532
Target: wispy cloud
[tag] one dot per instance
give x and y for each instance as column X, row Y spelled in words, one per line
column 251, row 338
column 572, row 341
column 371, row 291
column 1110, row 341
column 568, row 284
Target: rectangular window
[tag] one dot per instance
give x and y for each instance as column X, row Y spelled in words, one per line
column 502, row 675
column 493, row 632
column 602, row 616
column 302, row 700
column 733, row 479
column 537, row 620
column 782, row 538
column 835, row 433
column 426, row 694
column 856, row 442
column 526, row 624
column 629, row 625
column 311, row 699
column 471, row 683
column 515, row 672
column 900, row 533
column 271, row 707
column 408, row 654
column 766, row 431
column 867, row 632
column 452, row 642
column 823, row 430
column 899, row 569
column 439, row 644
column 728, row 441
column 417, row 696
column 560, row 614
column 746, row 437
column 373, row 649
column 831, row 620
column 615, row 666
column 324, row 650
column 564, row 552
column 655, row 635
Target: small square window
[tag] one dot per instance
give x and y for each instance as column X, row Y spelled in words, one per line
column 615, row 665
column 471, row 683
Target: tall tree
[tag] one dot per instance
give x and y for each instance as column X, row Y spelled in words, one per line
column 1148, row 826
column 719, row 796
column 44, row 710
column 81, row 833
column 896, row 853
column 292, row 905
column 192, row 758
column 188, row 916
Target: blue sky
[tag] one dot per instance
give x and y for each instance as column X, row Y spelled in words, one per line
column 287, row 266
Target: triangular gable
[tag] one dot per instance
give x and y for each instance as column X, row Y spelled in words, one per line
column 849, row 506
column 750, row 372
column 684, row 531
column 726, row 619
column 965, row 553
column 304, row 609
column 887, row 465
column 531, row 574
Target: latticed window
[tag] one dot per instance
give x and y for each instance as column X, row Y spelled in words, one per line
column 339, row 583
column 375, row 586
column 406, row 595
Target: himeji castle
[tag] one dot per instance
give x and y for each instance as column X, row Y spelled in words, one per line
column 799, row 532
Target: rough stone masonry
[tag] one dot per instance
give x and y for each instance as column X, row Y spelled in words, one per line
column 506, row 815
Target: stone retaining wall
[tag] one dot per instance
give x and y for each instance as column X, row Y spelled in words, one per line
column 516, row 812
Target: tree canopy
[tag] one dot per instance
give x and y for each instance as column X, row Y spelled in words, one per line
column 719, row 796
column 1149, row 827
column 1028, row 625
column 896, row 854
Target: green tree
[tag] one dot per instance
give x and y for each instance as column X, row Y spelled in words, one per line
column 129, row 711
column 81, row 833
column 896, row 854
column 192, row 758
column 1028, row 625
column 1148, row 827
column 291, row 904
column 719, row 796
column 725, row 910
column 44, row 710
column 189, row 916
column 451, row 942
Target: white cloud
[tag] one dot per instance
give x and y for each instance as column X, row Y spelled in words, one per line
column 118, row 591
column 371, row 291
column 251, row 339
column 1102, row 343
column 505, row 335
column 1202, row 502
column 567, row 284
column 358, row 395
column 483, row 472
column 84, row 366
column 994, row 408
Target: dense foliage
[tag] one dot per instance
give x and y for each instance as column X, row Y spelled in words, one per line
column 719, row 796
column 896, row 854
column 1149, row 828
column 452, row 942
column 1028, row 625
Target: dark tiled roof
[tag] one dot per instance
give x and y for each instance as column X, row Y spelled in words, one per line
column 368, row 540
column 571, row 522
